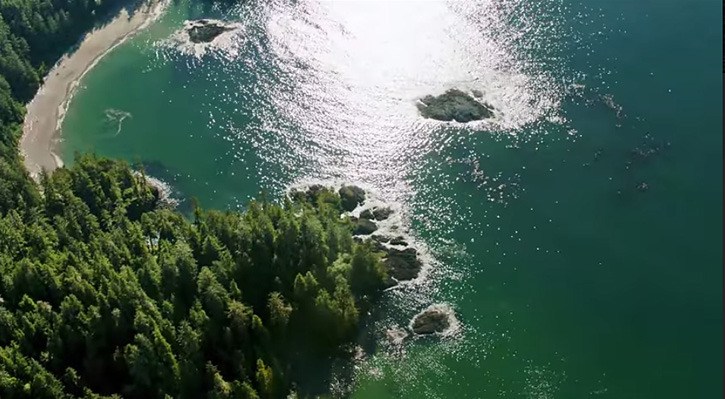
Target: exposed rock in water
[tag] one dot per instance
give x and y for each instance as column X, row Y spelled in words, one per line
column 351, row 197
column 399, row 240
column 376, row 213
column 454, row 105
column 380, row 239
column 402, row 264
column 206, row 30
column 363, row 226
column 432, row 320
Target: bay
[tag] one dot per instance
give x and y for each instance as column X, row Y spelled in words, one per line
column 567, row 277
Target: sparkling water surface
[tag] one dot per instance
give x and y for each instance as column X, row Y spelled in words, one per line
column 569, row 280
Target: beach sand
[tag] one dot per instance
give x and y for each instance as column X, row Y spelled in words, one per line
column 46, row 110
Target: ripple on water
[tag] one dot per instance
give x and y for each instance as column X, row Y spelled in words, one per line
column 310, row 91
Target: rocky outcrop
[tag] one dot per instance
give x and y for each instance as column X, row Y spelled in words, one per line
column 162, row 191
column 309, row 195
column 363, row 226
column 432, row 320
column 399, row 240
column 351, row 197
column 454, row 105
column 402, row 264
column 206, row 30
column 376, row 213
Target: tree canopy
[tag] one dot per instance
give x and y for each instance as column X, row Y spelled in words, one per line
column 105, row 294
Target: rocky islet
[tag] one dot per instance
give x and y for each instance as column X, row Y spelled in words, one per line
column 455, row 105
column 206, row 30
column 435, row 319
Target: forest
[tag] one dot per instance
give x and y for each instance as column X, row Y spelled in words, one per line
column 106, row 293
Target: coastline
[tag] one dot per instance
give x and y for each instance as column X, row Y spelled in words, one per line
column 45, row 112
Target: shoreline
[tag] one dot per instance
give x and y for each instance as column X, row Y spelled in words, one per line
column 46, row 111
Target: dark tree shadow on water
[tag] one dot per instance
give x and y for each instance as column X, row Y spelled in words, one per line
column 315, row 375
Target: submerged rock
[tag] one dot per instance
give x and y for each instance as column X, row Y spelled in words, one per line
column 396, row 335
column 454, row 105
column 206, row 30
column 351, row 197
column 608, row 100
column 432, row 320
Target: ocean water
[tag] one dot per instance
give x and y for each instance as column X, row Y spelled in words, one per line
column 568, row 279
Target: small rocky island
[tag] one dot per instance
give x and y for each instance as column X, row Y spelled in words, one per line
column 455, row 105
column 435, row 319
column 206, row 30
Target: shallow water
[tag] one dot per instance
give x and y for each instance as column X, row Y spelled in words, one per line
column 566, row 279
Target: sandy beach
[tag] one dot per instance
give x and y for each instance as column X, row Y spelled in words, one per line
column 46, row 110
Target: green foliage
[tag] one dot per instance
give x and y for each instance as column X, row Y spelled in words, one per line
column 33, row 35
column 104, row 293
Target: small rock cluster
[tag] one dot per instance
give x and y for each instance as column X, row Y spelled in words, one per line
column 401, row 259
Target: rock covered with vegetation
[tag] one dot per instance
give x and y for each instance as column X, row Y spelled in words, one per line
column 401, row 260
column 454, row 105
column 363, row 226
column 351, row 196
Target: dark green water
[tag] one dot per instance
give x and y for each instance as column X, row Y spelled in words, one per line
column 568, row 281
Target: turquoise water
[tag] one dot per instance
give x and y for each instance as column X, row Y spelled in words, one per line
column 567, row 280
